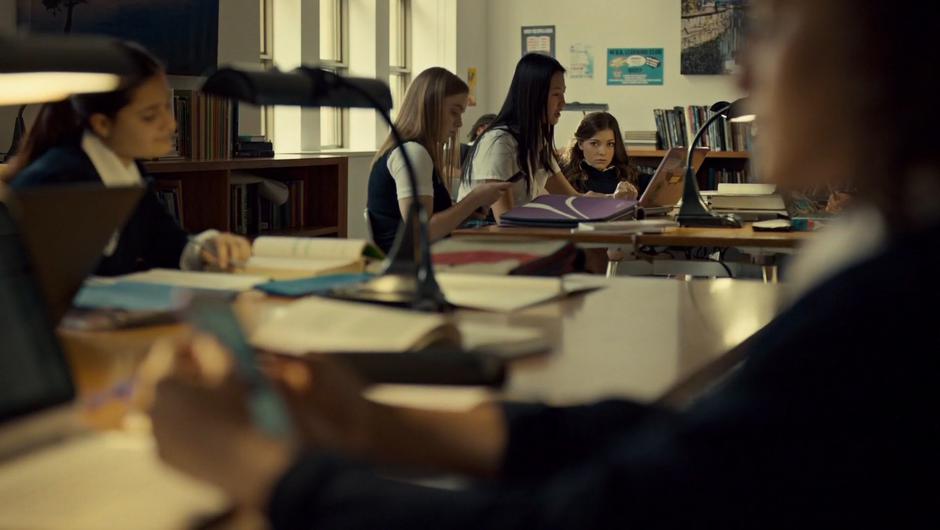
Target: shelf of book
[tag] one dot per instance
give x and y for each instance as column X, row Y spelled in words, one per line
column 299, row 195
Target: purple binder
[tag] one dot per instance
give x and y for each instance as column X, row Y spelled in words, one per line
column 563, row 211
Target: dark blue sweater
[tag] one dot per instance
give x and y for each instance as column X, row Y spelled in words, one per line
column 150, row 238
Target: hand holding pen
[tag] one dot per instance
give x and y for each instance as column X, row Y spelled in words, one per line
column 223, row 252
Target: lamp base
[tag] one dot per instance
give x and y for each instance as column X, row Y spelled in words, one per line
column 395, row 290
column 709, row 220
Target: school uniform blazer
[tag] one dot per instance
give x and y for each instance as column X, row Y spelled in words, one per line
column 150, row 238
column 831, row 422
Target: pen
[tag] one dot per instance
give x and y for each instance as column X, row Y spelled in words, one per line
column 209, row 248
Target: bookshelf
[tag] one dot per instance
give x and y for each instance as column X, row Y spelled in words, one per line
column 205, row 198
column 657, row 154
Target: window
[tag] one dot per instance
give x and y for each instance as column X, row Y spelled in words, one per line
column 267, row 60
column 399, row 20
column 333, row 57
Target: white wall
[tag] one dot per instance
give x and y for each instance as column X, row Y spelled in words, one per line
column 602, row 24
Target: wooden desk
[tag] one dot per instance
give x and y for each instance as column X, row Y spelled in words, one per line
column 676, row 237
column 635, row 338
column 760, row 245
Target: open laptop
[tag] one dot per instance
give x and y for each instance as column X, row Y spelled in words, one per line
column 65, row 229
column 52, row 473
column 665, row 189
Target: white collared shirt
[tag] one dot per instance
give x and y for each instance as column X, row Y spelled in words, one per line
column 114, row 173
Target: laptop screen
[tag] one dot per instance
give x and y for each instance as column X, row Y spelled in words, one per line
column 33, row 372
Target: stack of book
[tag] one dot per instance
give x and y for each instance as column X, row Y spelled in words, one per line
column 677, row 126
column 640, row 140
column 204, row 125
column 253, row 147
column 752, row 202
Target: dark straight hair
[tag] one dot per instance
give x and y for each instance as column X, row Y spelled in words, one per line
column 523, row 114
column 64, row 121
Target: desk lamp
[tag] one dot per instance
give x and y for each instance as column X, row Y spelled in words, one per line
column 408, row 275
column 694, row 211
column 42, row 69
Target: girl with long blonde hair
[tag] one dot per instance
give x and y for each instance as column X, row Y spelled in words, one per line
column 428, row 120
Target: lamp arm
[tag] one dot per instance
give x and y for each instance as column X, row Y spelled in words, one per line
column 430, row 297
column 691, row 198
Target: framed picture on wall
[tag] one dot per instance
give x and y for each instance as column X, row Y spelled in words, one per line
column 538, row 39
column 712, row 33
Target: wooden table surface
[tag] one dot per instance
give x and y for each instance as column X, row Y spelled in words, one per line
column 634, row 338
column 678, row 237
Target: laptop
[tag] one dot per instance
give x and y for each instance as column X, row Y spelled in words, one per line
column 54, row 474
column 65, row 229
column 665, row 189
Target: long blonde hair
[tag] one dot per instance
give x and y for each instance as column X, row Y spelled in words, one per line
column 421, row 115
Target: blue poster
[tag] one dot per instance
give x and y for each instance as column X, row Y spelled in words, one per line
column 634, row 66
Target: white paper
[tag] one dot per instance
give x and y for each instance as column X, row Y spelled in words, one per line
column 321, row 325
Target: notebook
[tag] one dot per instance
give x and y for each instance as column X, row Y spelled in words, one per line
column 563, row 211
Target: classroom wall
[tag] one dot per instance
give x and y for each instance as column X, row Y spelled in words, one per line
column 602, row 24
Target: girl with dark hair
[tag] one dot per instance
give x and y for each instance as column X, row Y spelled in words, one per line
column 428, row 121
column 519, row 145
column 98, row 138
column 479, row 127
column 597, row 160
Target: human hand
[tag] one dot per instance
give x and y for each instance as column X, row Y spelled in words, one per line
column 201, row 423
column 326, row 402
column 225, row 251
column 838, row 202
column 596, row 195
column 626, row 190
column 484, row 195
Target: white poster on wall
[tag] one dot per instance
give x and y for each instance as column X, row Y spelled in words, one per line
column 581, row 62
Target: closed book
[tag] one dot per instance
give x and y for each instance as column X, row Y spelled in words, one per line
column 254, row 154
column 254, row 146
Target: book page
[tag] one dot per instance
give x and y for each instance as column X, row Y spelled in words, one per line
column 305, row 264
column 309, row 247
column 321, row 325
column 498, row 293
column 196, row 280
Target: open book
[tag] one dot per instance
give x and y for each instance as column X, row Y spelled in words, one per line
column 313, row 324
column 292, row 257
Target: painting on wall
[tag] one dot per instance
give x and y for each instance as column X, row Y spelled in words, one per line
column 712, row 34
column 184, row 34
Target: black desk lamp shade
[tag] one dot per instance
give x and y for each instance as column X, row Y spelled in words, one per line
column 43, row 69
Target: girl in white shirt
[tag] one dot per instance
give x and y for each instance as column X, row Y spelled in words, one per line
column 519, row 145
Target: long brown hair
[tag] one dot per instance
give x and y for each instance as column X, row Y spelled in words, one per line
column 421, row 115
column 64, row 121
column 592, row 124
